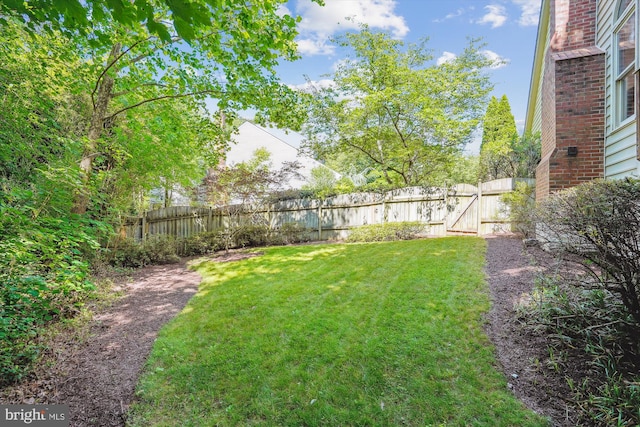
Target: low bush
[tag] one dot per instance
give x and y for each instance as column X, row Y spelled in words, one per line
column 596, row 225
column 593, row 314
column 593, row 344
column 129, row 253
column 250, row 235
column 386, row 232
column 520, row 204
column 292, row 232
column 44, row 275
column 200, row 244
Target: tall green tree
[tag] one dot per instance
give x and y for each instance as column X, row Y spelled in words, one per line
column 397, row 110
column 142, row 52
column 498, row 134
column 526, row 152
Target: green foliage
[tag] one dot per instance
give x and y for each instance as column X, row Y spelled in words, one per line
column 596, row 226
column 105, row 100
column 129, row 253
column 526, row 153
column 321, row 182
column 520, row 205
column 137, row 107
column 590, row 332
column 43, row 273
column 250, row 235
column 386, row 232
column 396, row 112
column 498, row 132
column 324, row 183
column 292, row 232
column 200, row 244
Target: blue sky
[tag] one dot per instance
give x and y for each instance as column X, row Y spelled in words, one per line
column 508, row 27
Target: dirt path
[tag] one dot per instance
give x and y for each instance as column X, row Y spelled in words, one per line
column 511, row 271
column 97, row 377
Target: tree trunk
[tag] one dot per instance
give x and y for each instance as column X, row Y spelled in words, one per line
column 96, row 125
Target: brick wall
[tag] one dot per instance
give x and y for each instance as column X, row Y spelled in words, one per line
column 572, row 100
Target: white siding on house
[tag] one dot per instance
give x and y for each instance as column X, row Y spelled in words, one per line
column 536, row 125
column 604, row 35
column 620, row 141
column 251, row 137
column 620, row 153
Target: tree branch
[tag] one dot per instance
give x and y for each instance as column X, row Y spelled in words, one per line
column 381, row 163
column 145, row 55
column 159, row 98
column 125, row 92
column 111, row 64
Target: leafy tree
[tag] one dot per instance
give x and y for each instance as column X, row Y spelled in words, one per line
column 525, row 155
column 498, row 133
column 242, row 191
column 226, row 50
column 464, row 170
column 250, row 182
column 399, row 112
column 322, row 181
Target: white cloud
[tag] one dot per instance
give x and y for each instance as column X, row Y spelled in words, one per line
column 458, row 13
column 530, row 12
column 313, row 85
column 496, row 16
column 315, row 46
column 446, row 57
column 319, row 23
column 497, row 61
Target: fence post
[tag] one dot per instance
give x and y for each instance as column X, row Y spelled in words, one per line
column 320, row 220
column 446, row 209
column 144, row 226
column 479, row 210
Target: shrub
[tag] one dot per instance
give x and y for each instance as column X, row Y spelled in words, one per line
column 386, row 232
column 249, row 235
column 161, row 250
column 597, row 226
column 200, row 244
column 292, row 232
column 127, row 253
column 593, row 344
column 520, row 203
column 155, row 250
column 43, row 274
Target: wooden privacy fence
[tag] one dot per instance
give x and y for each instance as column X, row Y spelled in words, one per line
column 462, row 209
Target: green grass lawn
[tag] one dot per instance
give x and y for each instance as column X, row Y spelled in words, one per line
column 378, row 334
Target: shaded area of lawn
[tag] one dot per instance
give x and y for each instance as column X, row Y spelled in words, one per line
column 362, row 334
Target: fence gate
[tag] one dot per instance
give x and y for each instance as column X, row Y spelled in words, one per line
column 462, row 209
column 462, row 218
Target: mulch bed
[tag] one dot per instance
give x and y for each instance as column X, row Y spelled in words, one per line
column 512, row 269
column 96, row 377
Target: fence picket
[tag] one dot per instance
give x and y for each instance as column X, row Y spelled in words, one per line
column 438, row 208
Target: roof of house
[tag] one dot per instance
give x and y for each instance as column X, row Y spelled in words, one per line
column 538, row 64
column 251, row 137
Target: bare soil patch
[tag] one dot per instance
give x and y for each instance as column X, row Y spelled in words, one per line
column 512, row 269
column 96, row 376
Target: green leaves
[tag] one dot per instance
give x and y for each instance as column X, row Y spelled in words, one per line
column 395, row 110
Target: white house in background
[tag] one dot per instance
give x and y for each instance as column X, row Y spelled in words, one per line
column 251, row 137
